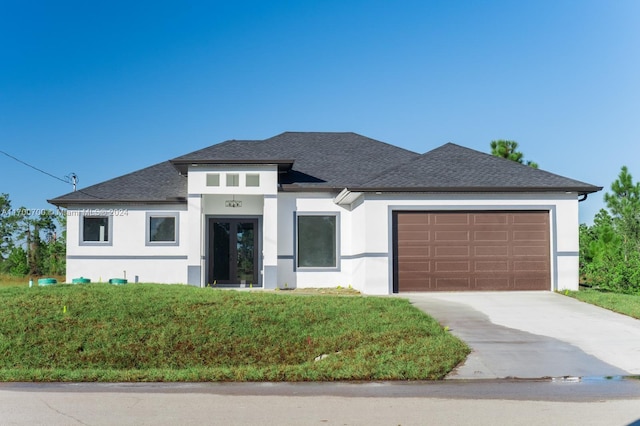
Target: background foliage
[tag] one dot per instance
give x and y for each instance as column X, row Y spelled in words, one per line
column 609, row 249
column 31, row 242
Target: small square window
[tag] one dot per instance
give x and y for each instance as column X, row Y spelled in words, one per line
column 253, row 179
column 213, row 179
column 233, row 179
column 162, row 229
column 95, row 229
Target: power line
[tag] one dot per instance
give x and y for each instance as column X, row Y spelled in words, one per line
column 34, row 167
column 71, row 178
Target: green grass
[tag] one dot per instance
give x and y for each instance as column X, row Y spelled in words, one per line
column 627, row 304
column 146, row 332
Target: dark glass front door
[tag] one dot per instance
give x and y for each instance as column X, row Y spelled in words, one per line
column 233, row 245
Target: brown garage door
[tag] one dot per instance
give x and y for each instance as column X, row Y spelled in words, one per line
column 457, row 251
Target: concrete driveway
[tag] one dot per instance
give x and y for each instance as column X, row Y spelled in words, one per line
column 535, row 334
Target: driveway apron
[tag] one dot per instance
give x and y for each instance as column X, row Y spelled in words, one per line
column 534, row 335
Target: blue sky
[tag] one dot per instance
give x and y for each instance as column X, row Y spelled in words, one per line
column 105, row 88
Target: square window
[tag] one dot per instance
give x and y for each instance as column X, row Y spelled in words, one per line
column 162, row 229
column 233, row 179
column 316, row 241
column 95, row 229
column 213, row 179
column 253, row 179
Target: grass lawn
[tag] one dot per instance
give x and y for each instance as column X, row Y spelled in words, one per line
column 147, row 332
column 628, row 304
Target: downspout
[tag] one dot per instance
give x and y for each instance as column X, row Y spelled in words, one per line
column 584, row 197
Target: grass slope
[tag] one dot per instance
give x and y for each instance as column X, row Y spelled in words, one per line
column 147, row 332
column 627, row 304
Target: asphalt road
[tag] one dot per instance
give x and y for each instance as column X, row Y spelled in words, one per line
column 592, row 401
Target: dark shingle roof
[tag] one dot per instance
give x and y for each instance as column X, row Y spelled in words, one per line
column 333, row 161
column 155, row 184
column 455, row 168
column 329, row 160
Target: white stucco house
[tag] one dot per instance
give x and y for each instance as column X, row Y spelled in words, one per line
column 305, row 209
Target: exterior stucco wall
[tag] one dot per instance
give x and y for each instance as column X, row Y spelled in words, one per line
column 562, row 207
column 128, row 252
column 197, row 183
column 365, row 252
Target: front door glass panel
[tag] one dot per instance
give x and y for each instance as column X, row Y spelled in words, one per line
column 245, row 250
column 232, row 251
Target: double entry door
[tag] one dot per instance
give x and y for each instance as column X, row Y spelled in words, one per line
column 232, row 252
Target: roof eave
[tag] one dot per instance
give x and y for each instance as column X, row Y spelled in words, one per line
column 182, row 165
column 507, row 189
column 102, row 201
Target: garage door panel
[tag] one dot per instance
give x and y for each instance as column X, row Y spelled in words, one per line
column 487, row 251
column 522, row 218
column 411, row 267
column 451, row 219
column 529, row 266
column 491, row 266
column 490, row 219
column 452, row 251
column 451, row 236
column 530, row 236
column 458, row 251
column 542, row 250
column 408, row 236
column 530, row 283
column 453, row 284
column 492, row 283
column 417, row 284
column 411, row 218
column 452, row 266
column 500, row 236
column 415, row 248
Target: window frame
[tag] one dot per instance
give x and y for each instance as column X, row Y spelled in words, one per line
column 176, row 229
column 296, row 242
column 249, row 181
column 212, row 180
column 232, row 180
column 109, row 236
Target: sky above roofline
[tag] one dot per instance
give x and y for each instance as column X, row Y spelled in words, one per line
column 104, row 89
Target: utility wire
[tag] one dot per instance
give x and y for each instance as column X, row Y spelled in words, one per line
column 67, row 179
column 34, row 167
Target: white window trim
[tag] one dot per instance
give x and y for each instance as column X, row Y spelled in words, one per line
column 296, row 215
column 109, row 241
column 147, row 227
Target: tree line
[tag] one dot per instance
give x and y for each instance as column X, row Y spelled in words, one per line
column 30, row 241
column 610, row 247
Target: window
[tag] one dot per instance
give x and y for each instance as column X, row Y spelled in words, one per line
column 316, row 241
column 233, row 179
column 162, row 229
column 213, row 179
column 96, row 229
column 253, row 179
